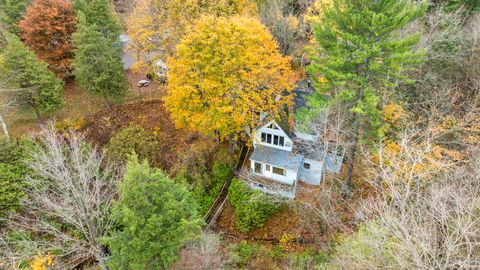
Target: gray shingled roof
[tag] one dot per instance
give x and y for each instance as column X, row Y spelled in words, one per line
column 277, row 157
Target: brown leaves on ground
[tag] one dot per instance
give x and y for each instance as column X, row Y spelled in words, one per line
column 282, row 223
column 150, row 115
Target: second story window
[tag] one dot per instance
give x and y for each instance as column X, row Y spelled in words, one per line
column 278, row 140
column 272, row 139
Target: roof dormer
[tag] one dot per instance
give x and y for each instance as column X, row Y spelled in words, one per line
column 272, row 135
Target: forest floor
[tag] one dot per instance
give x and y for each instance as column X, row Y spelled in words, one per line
column 150, row 115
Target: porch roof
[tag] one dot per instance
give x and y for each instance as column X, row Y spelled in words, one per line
column 277, row 157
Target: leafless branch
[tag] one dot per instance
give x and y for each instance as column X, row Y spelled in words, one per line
column 71, row 184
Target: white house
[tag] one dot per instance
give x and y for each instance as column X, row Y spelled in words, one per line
column 277, row 165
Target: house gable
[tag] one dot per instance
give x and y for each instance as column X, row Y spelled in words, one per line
column 272, row 135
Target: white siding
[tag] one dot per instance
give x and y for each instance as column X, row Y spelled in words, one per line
column 315, row 165
column 311, row 176
column 289, row 178
column 257, row 137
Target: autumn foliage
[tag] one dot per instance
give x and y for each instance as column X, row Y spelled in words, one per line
column 47, row 28
column 226, row 72
column 157, row 26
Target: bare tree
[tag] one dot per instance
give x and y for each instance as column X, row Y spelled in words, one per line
column 322, row 209
column 278, row 16
column 424, row 214
column 202, row 254
column 71, row 188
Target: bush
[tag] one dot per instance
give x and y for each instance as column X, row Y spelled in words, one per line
column 240, row 254
column 204, row 179
column 158, row 218
column 195, row 163
column 252, row 208
column 12, row 169
column 309, row 259
column 134, row 139
column 206, row 194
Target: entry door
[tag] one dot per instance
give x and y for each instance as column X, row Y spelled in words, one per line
column 258, row 168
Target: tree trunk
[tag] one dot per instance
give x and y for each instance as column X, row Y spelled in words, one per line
column 37, row 114
column 231, row 145
column 107, row 103
column 4, row 127
column 347, row 186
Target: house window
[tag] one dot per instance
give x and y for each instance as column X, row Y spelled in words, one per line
column 306, row 166
column 267, row 167
column 258, row 168
column 278, row 171
column 272, row 139
column 272, row 126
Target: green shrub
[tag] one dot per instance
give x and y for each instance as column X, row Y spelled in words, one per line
column 205, row 167
column 13, row 153
column 309, row 259
column 158, row 217
column 242, row 252
column 134, row 139
column 206, row 194
column 252, row 208
column 221, row 172
column 195, row 163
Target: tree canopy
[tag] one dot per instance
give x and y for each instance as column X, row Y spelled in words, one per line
column 227, row 71
column 47, row 28
column 157, row 26
column 11, row 13
column 101, row 14
column 157, row 217
column 41, row 89
column 13, row 155
column 97, row 63
column 362, row 57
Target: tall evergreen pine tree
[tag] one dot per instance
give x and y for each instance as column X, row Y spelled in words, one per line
column 98, row 65
column 158, row 217
column 101, row 14
column 42, row 90
column 362, row 56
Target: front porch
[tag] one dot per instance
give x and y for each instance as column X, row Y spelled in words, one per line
column 267, row 185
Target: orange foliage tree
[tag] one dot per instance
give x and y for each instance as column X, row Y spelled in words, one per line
column 227, row 70
column 47, row 28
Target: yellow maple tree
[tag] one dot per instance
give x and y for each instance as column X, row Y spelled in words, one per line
column 156, row 26
column 227, row 71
